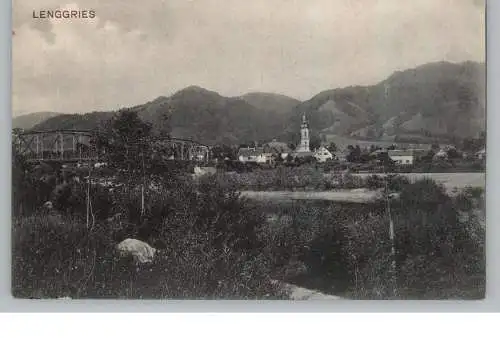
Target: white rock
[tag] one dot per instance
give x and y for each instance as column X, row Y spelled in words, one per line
column 48, row 205
column 394, row 196
column 140, row 251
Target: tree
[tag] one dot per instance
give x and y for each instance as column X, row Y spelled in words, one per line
column 223, row 151
column 354, row 154
column 332, row 147
column 427, row 158
column 474, row 144
column 373, row 148
column 453, row 153
column 278, row 158
column 126, row 140
column 315, row 142
column 164, row 127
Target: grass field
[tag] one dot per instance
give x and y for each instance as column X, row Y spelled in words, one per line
column 353, row 196
column 451, row 181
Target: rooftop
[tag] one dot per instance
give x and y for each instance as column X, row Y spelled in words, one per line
column 250, row 151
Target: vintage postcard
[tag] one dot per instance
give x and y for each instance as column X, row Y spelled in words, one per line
column 264, row 149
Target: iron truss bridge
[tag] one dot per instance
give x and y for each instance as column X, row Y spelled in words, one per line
column 79, row 146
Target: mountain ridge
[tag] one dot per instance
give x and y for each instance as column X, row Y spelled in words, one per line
column 434, row 101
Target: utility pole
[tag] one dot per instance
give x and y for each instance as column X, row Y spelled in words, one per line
column 392, row 239
column 389, row 215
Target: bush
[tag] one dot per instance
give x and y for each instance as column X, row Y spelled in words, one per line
column 374, row 182
column 470, row 198
column 438, row 254
column 432, row 245
column 210, row 241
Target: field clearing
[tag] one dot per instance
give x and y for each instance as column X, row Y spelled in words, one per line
column 353, row 196
column 450, row 180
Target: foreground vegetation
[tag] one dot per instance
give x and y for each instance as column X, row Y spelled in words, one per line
column 345, row 249
column 214, row 244
column 210, row 244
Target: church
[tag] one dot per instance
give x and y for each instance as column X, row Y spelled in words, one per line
column 303, row 148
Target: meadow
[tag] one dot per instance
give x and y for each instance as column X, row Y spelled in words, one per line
column 316, row 178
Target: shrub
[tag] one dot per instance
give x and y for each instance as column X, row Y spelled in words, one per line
column 438, row 255
column 397, row 182
column 374, row 182
column 210, row 241
column 470, row 198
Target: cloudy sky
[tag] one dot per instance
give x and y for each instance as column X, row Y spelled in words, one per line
column 134, row 51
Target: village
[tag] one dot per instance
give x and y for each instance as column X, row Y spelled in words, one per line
column 81, row 148
column 369, row 158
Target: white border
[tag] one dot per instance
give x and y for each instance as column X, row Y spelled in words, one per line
column 492, row 302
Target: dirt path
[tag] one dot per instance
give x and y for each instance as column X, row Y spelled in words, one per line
column 298, row 293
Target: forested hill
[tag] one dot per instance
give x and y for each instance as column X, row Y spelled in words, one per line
column 435, row 101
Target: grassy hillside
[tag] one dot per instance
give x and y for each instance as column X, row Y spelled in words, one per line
column 90, row 121
column 28, row 121
column 208, row 117
column 195, row 113
column 273, row 103
column 432, row 102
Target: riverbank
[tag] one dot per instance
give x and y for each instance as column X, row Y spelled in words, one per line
column 451, row 181
column 313, row 179
column 352, row 196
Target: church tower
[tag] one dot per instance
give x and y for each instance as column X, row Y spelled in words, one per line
column 304, row 135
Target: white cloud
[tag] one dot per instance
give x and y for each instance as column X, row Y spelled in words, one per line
column 135, row 51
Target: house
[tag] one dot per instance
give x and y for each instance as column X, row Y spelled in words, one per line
column 481, row 154
column 254, row 155
column 402, row 157
column 278, row 148
column 323, row 154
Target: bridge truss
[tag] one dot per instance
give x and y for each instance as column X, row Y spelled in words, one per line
column 56, row 146
column 80, row 146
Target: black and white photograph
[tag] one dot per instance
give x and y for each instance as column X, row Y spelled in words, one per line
column 248, row 150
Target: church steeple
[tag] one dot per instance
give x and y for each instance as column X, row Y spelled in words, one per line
column 304, row 135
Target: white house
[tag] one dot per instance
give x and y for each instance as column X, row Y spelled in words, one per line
column 323, row 154
column 481, row 154
column 402, row 157
column 254, row 155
